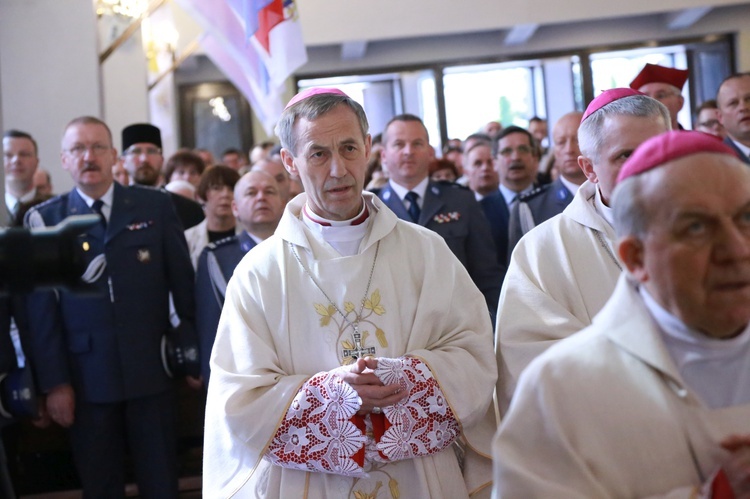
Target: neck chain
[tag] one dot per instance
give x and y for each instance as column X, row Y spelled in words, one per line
column 358, row 349
column 607, row 248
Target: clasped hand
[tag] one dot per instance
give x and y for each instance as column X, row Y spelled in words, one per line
column 361, row 377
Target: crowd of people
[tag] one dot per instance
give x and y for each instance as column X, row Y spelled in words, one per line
column 536, row 312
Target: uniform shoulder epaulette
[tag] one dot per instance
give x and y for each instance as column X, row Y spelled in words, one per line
column 47, row 202
column 534, row 193
column 221, row 242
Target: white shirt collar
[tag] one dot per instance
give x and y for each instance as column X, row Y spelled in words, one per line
column 106, row 199
column 603, row 210
column 11, row 200
column 402, row 191
column 742, row 147
column 572, row 187
column 510, row 195
column 705, row 363
column 341, row 235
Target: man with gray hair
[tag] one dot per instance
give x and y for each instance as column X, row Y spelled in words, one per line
column 653, row 399
column 564, row 270
column 353, row 348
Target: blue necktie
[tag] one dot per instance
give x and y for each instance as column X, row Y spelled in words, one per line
column 414, row 210
column 97, row 207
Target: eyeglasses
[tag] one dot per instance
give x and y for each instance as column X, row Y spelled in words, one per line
column 138, row 151
column 508, row 151
column 79, row 150
column 709, row 123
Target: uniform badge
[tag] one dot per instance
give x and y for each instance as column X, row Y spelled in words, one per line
column 444, row 218
column 143, row 255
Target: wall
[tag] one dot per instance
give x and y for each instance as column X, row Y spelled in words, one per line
column 50, row 72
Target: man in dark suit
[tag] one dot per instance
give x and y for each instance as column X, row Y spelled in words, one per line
column 548, row 200
column 448, row 209
column 143, row 159
column 21, row 162
column 257, row 205
column 99, row 354
column 516, row 163
column 733, row 99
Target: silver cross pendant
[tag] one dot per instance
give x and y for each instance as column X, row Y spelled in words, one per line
column 358, row 350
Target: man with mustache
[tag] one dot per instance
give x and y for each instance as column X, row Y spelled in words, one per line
column 548, row 200
column 99, row 353
column 563, row 271
column 446, row 208
column 142, row 158
column 653, row 399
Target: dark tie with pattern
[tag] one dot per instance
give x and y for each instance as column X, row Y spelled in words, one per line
column 414, row 210
column 97, row 207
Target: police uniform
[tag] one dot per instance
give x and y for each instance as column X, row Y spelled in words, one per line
column 215, row 267
column 107, row 343
column 452, row 211
column 535, row 207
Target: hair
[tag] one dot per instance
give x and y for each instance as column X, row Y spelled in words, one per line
column 537, row 119
column 406, row 118
column 233, row 150
column 590, row 135
column 709, row 104
column 515, row 129
column 183, row 158
column 89, row 120
column 476, row 144
column 218, row 176
column 311, row 109
column 478, row 136
column 444, row 164
column 630, row 209
column 18, row 134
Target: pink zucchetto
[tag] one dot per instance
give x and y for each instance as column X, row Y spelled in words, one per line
column 670, row 146
column 313, row 91
column 608, row 97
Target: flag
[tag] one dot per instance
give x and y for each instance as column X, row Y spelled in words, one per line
column 256, row 43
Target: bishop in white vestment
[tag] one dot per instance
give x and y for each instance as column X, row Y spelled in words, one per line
column 653, row 399
column 307, row 305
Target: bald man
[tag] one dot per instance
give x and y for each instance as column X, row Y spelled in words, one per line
column 275, row 169
column 258, row 207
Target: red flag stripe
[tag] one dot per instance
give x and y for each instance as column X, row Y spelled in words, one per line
column 268, row 18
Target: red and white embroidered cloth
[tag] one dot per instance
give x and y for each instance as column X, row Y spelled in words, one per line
column 322, row 432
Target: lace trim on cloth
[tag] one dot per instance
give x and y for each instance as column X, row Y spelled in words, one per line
column 321, row 431
column 317, row 433
column 421, row 425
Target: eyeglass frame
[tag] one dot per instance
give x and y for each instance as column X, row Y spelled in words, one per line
column 140, row 151
column 78, row 151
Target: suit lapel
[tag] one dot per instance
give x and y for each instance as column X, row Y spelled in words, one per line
column 736, row 149
column 122, row 211
column 77, row 206
column 392, row 201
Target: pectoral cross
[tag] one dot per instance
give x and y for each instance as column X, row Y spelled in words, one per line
column 359, row 350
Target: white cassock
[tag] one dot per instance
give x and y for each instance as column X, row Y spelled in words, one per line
column 561, row 273
column 279, row 424
column 605, row 413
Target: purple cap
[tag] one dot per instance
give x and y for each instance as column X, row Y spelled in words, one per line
column 607, row 97
column 670, row 146
column 313, row 91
